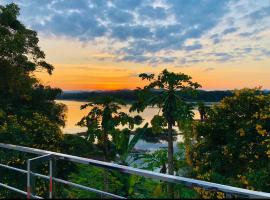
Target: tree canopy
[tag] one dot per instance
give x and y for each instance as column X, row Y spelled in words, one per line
column 168, row 100
column 103, row 119
column 29, row 116
column 22, row 96
column 233, row 143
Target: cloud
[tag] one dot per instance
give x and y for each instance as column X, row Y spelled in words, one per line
column 215, row 38
column 258, row 15
column 193, row 47
column 221, row 56
column 149, row 12
column 229, row 30
column 68, row 4
column 147, row 30
column 125, row 32
column 119, row 16
column 209, row 69
column 246, row 34
column 150, row 60
column 127, row 4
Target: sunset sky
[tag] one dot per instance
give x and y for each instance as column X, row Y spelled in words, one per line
column 105, row 44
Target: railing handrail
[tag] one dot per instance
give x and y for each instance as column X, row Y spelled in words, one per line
column 149, row 174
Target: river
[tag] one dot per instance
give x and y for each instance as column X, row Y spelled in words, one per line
column 74, row 114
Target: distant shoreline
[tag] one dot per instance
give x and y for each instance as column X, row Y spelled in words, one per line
column 79, row 100
column 129, row 95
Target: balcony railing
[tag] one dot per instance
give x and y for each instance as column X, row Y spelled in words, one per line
column 52, row 157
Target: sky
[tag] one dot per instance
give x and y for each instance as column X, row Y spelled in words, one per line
column 105, row 44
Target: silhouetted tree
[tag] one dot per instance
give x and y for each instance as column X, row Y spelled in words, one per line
column 202, row 108
column 173, row 107
column 102, row 120
column 29, row 115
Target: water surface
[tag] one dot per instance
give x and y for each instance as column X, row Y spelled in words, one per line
column 74, row 115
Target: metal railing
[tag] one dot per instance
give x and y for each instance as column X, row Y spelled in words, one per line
column 51, row 157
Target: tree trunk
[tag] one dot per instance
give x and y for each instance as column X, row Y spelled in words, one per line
column 170, row 159
column 106, row 159
column 170, row 150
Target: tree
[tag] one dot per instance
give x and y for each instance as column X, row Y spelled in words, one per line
column 232, row 146
column 168, row 99
column 103, row 119
column 158, row 160
column 29, row 115
column 155, row 160
column 124, row 145
column 101, row 122
column 20, row 55
column 21, row 94
column 202, row 108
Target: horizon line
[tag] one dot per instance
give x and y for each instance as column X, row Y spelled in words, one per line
column 104, row 90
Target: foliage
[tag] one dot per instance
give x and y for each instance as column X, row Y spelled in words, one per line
column 146, row 188
column 129, row 96
column 203, row 110
column 158, row 160
column 152, row 136
column 29, row 116
column 155, row 160
column 92, row 177
column 77, row 146
column 37, row 132
column 26, row 106
column 158, row 124
column 168, row 100
column 124, row 145
column 138, row 187
column 232, row 145
column 103, row 119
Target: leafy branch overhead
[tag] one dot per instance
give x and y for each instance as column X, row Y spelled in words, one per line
column 19, row 45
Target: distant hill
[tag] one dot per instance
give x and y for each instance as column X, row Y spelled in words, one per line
column 129, row 96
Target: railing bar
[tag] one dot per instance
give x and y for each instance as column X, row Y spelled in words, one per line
column 14, row 168
column 88, row 188
column 40, row 157
column 77, row 185
column 125, row 169
column 17, row 190
column 13, row 189
column 63, row 181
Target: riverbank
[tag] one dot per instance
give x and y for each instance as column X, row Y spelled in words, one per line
column 129, row 96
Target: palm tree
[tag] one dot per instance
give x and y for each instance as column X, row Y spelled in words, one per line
column 102, row 120
column 164, row 91
column 125, row 144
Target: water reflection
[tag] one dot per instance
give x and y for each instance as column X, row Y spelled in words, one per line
column 74, row 115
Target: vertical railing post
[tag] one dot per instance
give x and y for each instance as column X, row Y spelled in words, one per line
column 51, row 179
column 30, row 181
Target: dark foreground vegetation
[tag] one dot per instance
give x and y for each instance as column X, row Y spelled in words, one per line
column 229, row 145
